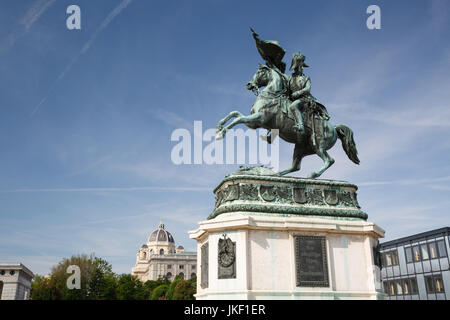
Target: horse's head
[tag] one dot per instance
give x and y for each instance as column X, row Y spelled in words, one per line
column 261, row 78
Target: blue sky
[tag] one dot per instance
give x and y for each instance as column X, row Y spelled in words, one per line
column 86, row 115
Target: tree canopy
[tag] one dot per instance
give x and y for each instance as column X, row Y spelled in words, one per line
column 99, row 282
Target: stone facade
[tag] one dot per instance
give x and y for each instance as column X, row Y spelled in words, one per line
column 15, row 281
column 265, row 258
column 158, row 257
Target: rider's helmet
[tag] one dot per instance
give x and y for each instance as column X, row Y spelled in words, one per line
column 298, row 60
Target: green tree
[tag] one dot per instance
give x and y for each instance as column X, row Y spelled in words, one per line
column 58, row 278
column 150, row 285
column 184, row 290
column 96, row 279
column 130, row 288
column 193, row 281
column 98, row 282
column 169, row 294
column 160, row 292
column 45, row 288
column 103, row 282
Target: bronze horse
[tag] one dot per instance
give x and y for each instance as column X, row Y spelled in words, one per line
column 270, row 112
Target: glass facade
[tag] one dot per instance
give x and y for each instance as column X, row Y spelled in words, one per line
column 405, row 286
column 417, row 267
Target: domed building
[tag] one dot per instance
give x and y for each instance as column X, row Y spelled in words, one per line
column 158, row 257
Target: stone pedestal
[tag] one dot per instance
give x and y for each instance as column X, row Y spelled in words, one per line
column 286, row 238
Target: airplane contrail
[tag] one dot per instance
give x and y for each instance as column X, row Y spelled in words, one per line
column 27, row 21
column 107, row 189
column 83, row 50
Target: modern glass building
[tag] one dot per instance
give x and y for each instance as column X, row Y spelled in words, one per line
column 417, row 267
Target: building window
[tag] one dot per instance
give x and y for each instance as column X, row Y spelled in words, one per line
column 193, row 275
column 169, row 276
column 442, row 249
column 181, row 274
column 438, row 285
column 398, row 284
column 161, row 252
column 434, row 284
column 193, row 266
column 416, row 253
column 169, row 266
column 401, row 286
column 144, row 255
column 386, row 287
column 181, row 266
column 391, row 288
column 414, row 289
column 429, row 284
column 409, row 257
column 388, row 259
column 406, row 289
column 424, row 250
column 432, row 250
column 394, row 257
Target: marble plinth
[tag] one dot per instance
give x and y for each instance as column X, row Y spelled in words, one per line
column 288, row 238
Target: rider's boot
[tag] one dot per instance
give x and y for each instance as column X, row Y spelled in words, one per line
column 298, row 121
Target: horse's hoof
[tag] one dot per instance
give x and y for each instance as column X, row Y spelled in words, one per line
column 312, row 175
column 219, row 135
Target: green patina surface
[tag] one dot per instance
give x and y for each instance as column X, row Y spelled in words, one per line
column 286, row 211
column 283, row 180
column 265, row 214
column 285, row 104
column 255, row 191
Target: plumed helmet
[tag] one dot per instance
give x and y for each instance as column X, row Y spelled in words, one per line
column 298, row 60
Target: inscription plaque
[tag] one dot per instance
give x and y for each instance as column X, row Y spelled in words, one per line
column 311, row 261
column 226, row 258
column 204, row 266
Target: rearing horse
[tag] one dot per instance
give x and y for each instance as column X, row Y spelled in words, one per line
column 270, row 112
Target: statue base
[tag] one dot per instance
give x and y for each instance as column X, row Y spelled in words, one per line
column 286, row 238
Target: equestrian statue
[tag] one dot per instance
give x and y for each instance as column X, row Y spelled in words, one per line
column 286, row 104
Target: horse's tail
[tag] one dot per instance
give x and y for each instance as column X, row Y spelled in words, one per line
column 346, row 136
